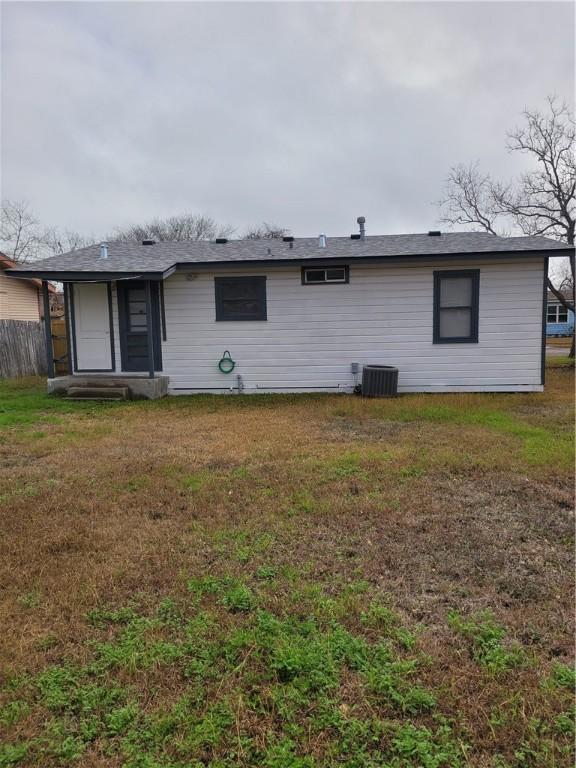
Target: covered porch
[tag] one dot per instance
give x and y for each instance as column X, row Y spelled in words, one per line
column 116, row 328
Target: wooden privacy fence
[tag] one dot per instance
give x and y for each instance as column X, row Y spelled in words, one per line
column 60, row 346
column 22, row 349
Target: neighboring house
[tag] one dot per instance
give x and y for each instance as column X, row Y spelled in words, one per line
column 559, row 320
column 19, row 299
column 454, row 312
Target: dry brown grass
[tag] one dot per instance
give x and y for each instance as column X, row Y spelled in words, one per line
column 562, row 341
column 434, row 514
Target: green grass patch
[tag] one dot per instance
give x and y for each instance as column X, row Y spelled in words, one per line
column 487, row 641
column 539, row 445
column 563, row 676
column 560, row 361
column 262, row 688
column 25, row 402
column 194, row 482
column 290, row 671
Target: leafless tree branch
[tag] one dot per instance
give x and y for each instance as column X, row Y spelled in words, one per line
column 540, row 202
column 186, row 226
column 266, row 232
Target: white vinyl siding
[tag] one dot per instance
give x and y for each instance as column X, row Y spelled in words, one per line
column 383, row 315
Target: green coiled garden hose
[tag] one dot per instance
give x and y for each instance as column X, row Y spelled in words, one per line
column 226, row 364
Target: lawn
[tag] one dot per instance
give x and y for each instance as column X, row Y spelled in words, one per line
column 287, row 581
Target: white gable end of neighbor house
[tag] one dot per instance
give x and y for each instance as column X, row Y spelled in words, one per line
column 461, row 312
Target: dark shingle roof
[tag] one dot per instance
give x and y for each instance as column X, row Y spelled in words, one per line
column 567, row 293
column 162, row 257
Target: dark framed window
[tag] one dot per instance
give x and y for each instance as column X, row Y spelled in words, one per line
column 240, row 298
column 456, row 301
column 325, row 275
column 556, row 313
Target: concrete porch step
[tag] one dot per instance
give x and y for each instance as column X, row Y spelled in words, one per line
column 98, row 393
column 82, row 387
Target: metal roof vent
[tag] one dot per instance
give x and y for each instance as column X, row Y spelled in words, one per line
column 434, row 233
column 361, row 220
column 221, row 240
column 148, row 242
column 103, row 251
column 321, row 240
column 354, row 237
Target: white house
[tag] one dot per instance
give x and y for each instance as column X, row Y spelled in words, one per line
column 453, row 312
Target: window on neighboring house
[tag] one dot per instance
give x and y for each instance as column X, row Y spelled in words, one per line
column 240, row 298
column 556, row 313
column 323, row 275
column 456, row 301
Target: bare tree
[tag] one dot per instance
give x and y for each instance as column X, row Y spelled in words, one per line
column 68, row 240
column 266, row 232
column 564, row 278
column 22, row 237
column 186, row 226
column 542, row 201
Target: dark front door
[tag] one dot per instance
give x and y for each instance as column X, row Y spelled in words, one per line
column 132, row 319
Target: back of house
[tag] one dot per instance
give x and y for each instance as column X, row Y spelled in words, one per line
column 453, row 312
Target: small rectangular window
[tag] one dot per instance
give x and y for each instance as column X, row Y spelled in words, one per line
column 456, row 304
column 551, row 314
column 322, row 275
column 240, row 298
column 562, row 314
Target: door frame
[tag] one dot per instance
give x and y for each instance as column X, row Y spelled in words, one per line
column 70, row 297
column 156, row 301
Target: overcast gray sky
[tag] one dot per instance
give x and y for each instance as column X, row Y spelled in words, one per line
column 304, row 115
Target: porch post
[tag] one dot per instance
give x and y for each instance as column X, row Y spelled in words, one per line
column 149, row 334
column 67, row 287
column 48, row 330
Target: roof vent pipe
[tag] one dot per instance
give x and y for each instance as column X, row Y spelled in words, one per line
column 103, row 251
column 322, row 240
column 361, row 220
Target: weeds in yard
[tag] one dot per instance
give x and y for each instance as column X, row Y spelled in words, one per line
column 292, row 673
column 563, row 676
column 266, row 572
column 239, row 599
column 193, row 482
column 264, row 582
column 487, row 641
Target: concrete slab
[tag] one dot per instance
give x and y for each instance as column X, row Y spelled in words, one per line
column 140, row 387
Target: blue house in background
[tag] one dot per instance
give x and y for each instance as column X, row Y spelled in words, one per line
column 559, row 320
